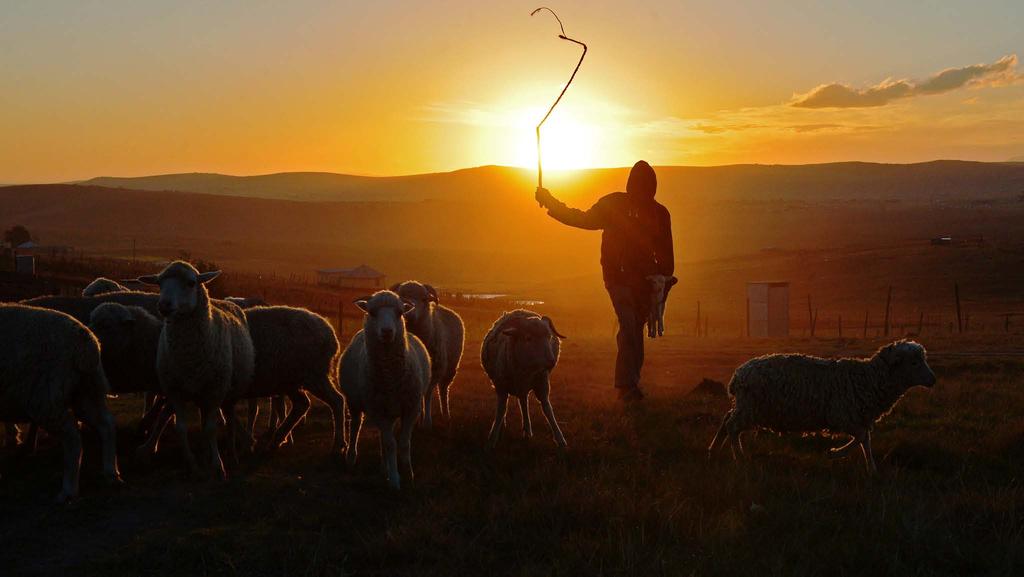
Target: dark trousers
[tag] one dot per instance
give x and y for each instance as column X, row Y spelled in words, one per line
column 631, row 310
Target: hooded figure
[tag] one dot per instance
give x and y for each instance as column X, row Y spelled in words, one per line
column 636, row 241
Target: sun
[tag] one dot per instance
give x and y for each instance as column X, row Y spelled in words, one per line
column 567, row 142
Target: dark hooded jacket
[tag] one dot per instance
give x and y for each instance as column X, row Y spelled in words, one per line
column 637, row 230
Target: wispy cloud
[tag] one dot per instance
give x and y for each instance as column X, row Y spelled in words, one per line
column 836, row 95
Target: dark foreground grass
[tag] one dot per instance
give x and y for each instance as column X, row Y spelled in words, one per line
column 633, row 495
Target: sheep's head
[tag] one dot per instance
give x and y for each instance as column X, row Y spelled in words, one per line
column 385, row 310
column 422, row 296
column 534, row 341
column 103, row 285
column 660, row 284
column 112, row 324
column 907, row 362
column 181, row 289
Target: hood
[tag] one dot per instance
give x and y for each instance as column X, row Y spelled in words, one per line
column 642, row 180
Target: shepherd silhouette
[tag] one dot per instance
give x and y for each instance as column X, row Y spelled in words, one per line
column 636, row 241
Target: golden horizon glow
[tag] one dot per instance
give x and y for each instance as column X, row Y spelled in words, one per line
column 128, row 89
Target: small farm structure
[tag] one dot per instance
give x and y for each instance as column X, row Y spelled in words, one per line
column 768, row 309
column 360, row 277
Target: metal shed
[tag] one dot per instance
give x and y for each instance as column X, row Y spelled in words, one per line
column 768, row 309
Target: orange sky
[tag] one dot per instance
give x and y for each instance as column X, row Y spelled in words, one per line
column 130, row 88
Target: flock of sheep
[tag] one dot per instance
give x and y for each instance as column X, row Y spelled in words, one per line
column 61, row 356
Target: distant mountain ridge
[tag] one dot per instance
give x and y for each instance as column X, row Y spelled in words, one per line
column 742, row 182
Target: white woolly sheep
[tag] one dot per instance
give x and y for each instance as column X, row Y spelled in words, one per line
column 103, row 285
column 660, row 285
column 442, row 331
column 385, row 372
column 518, row 354
column 205, row 355
column 804, row 394
column 52, row 377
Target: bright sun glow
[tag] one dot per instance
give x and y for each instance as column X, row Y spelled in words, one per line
column 567, row 142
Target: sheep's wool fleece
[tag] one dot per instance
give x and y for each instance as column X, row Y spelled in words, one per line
column 45, row 356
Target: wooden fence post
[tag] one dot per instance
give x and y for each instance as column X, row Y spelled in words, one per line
column 888, row 304
column 959, row 318
column 866, row 323
column 341, row 318
column 748, row 318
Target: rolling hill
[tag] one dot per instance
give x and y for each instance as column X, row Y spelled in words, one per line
column 745, row 183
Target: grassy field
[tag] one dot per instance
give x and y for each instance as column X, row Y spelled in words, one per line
column 633, row 494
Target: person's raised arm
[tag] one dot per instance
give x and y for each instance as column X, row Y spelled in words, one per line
column 592, row 219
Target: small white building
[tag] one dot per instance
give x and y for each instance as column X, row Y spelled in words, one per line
column 361, row 277
column 768, row 309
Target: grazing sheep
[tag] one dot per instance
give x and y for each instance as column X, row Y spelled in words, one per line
column 129, row 337
column 103, row 285
column 385, row 372
column 296, row 351
column 51, row 376
column 660, row 285
column 441, row 330
column 804, row 394
column 518, row 354
column 205, row 355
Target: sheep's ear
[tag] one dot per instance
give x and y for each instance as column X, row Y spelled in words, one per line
column 149, row 279
column 407, row 307
column 205, row 277
column 672, row 281
column 362, row 304
column 431, row 293
column 394, row 288
column 551, row 325
column 511, row 332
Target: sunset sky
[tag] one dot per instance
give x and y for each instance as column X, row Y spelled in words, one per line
column 128, row 88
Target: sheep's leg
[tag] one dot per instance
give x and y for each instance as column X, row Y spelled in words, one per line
column 12, row 435
column 719, row 438
column 28, row 447
column 254, row 413
column 71, row 438
column 147, row 449
column 210, row 416
column 355, row 423
column 544, row 396
column 389, row 453
column 153, row 412
column 428, row 399
column 499, row 420
column 735, row 430
column 148, row 403
column 278, row 411
column 405, row 444
column 330, row 396
column 869, row 456
column 442, row 392
column 524, row 410
column 233, row 426
column 300, row 406
column 97, row 416
column 181, row 428
column 661, row 319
